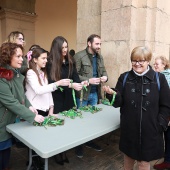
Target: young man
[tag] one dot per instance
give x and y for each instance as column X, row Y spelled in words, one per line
column 90, row 67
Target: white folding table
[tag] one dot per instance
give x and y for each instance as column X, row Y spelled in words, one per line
column 53, row 140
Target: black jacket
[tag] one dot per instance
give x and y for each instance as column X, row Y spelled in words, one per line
column 144, row 114
column 63, row 100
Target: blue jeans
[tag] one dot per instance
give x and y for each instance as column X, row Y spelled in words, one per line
column 92, row 100
column 167, row 145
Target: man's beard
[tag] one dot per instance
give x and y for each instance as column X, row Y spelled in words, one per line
column 95, row 51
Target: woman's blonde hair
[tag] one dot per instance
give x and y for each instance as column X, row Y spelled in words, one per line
column 141, row 52
column 13, row 36
column 164, row 60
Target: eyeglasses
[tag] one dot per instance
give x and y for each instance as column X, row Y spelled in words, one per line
column 134, row 62
column 21, row 39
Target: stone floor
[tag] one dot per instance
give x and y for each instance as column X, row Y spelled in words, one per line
column 109, row 159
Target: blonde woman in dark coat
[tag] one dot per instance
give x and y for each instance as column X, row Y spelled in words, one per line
column 144, row 101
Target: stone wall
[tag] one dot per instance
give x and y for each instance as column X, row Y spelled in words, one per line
column 19, row 5
column 40, row 20
column 18, row 15
column 88, row 20
column 11, row 20
column 124, row 25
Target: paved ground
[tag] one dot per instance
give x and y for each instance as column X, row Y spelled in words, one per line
column 109, row 159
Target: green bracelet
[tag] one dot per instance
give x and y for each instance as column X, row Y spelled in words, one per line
column 61, row 89
column 113, row 99
column 73, row 94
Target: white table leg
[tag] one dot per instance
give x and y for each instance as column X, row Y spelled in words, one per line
column 30, row 159
column 46, row 164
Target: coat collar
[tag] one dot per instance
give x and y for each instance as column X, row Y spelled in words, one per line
column 6, row 73
column 150, row 74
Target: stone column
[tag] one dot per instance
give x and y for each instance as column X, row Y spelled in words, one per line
column 88, row 20
column 12, row 19
column 129, row 23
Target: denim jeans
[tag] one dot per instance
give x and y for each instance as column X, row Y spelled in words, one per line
column 167, row 145
column 92, row 100
column 5, row 158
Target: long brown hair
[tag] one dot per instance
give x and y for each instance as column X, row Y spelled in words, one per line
column 36, row 52
column 55, row 57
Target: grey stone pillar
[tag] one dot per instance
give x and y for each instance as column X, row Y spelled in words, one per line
column 88, row 20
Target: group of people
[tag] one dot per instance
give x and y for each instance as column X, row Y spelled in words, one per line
column 141, row 93
column 39, row 94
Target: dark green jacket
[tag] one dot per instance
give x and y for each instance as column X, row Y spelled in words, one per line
column 13, row 101
column 84, row 67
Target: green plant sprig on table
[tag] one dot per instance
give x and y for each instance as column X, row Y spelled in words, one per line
column 50, row 121
column 72, row 113
column 89, row 108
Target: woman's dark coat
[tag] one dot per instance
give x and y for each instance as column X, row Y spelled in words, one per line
column 63, row 100
column 144, row 114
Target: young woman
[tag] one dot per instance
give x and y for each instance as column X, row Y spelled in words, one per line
column 144, row 106
column 13, row 101
column 38, row 91
column 18, row 38
column 61, row 66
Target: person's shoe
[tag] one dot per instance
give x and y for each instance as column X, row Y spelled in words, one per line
column 93, row 146
column 79, row 151
column 162, row 166
column 65, row 159
column 20, row 145
column 37, row 163
column 59, row 159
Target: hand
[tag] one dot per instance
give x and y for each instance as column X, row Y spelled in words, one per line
column 39, row 118
column 103, row 79
column 108, row 90
column 94, row 81
column 85, row 83
column 77, row 86
column 63, row 82
column 33, row 110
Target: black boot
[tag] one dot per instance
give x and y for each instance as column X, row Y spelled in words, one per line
column 37, row 163
column 59, row 159
column 65, row 159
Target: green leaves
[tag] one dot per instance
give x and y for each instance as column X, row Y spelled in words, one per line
column 72, row 113
column 89, row 108
column 50, row 121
